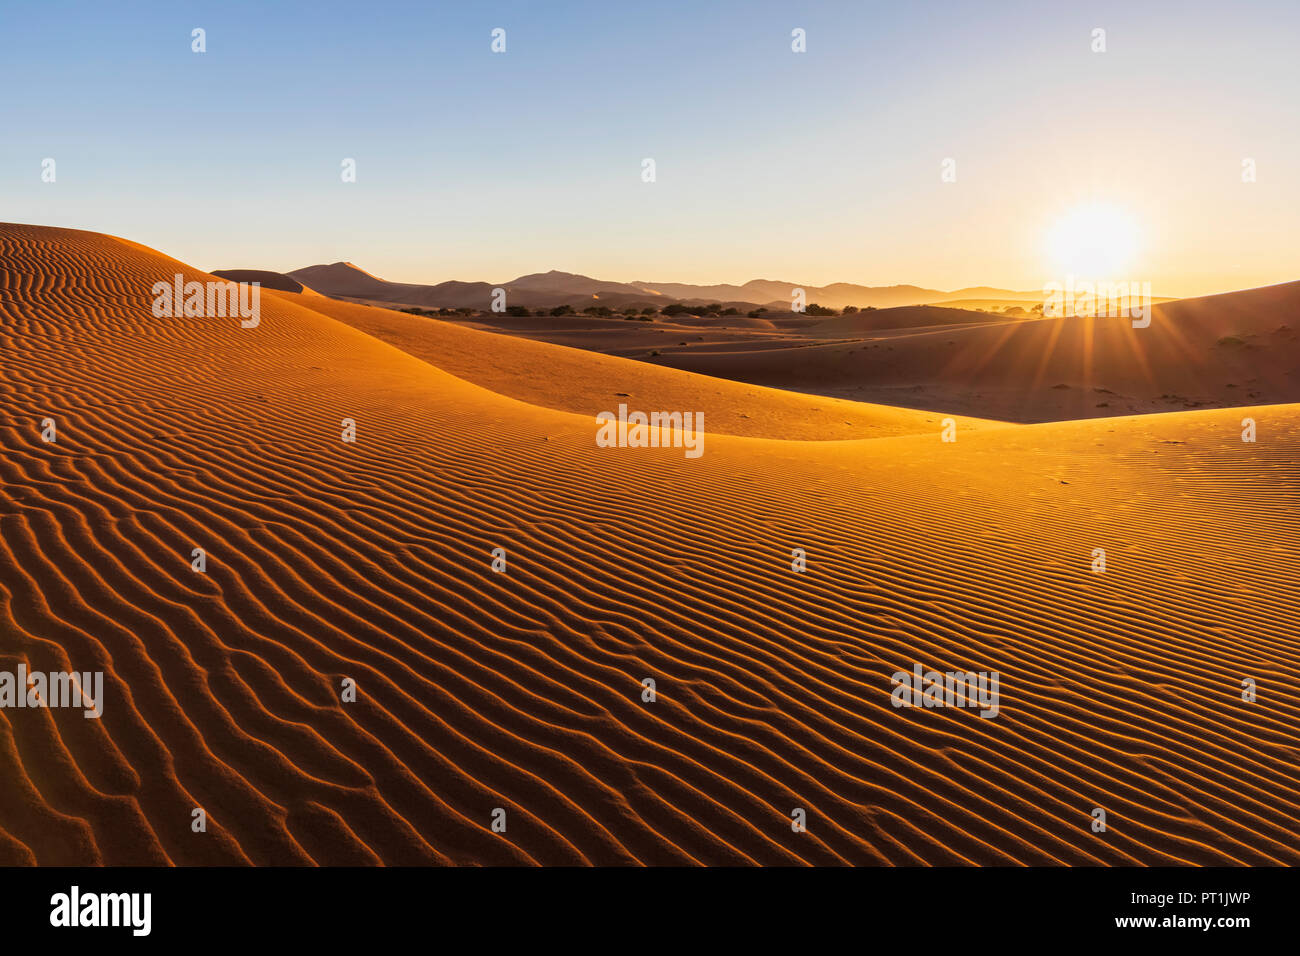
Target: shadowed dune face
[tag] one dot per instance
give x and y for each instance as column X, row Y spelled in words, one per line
column 1234, row 349
column 906, row 317
column 522, row 690
column 267, row 280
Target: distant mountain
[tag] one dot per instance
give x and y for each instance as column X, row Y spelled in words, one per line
column 550, row 289
column 835, row 296
column 567, row 284
column 985, row 292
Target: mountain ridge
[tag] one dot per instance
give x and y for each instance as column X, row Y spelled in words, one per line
column 556, row 288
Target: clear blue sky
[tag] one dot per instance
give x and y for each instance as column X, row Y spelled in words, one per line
column 812, row 167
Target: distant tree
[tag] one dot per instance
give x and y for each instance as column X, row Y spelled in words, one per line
column 650, row 310
column 850, row 309
column 466, row 310
column 562, row 310
column 815, row 309
column 731, row 311
column 521, row 310
column 675, row 309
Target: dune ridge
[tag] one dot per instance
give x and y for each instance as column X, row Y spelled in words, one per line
column 522, row 690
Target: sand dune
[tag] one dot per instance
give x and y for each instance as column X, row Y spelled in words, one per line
column 586, row 383
column 1234, row 349
column 904, row 317
column 267, row 280
column 522, row 690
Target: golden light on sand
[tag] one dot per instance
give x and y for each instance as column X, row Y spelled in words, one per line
column 371, row 554
column 1096, row 241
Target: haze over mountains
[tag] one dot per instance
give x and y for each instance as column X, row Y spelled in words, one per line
column 554, row 288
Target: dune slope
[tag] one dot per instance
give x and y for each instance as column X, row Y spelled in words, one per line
column 1239, row 348
column 522, row 690
column 588, row 383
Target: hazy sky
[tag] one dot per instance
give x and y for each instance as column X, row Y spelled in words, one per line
column 813, row 167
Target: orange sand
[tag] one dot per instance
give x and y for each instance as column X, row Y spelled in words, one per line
column 522, row 690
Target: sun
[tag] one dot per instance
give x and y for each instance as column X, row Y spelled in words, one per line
column 1094, row 242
